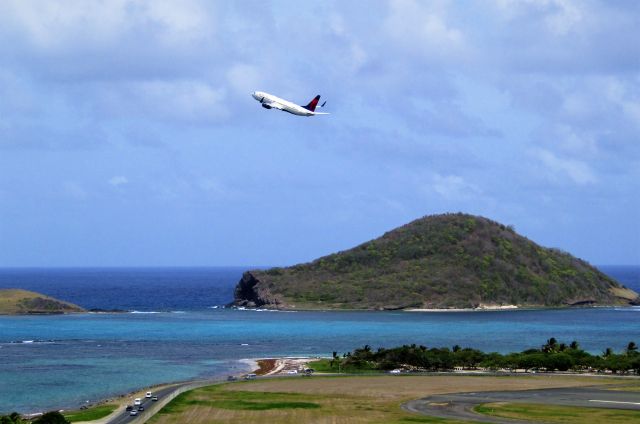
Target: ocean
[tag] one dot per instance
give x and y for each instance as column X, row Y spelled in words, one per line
column 176, row 329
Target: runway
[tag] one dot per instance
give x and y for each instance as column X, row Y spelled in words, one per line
column 460, row 405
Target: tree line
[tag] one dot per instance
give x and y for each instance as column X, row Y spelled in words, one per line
column 551, row 356
column 53, row 417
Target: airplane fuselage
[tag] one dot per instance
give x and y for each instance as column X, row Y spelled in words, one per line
column 269, row 101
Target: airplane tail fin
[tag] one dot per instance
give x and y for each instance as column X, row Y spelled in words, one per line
column 312, row 104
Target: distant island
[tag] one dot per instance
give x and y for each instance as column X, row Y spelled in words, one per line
column 22, row 302
column 449, row 261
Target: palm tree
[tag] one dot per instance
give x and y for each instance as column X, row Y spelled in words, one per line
column 574, row 345
column 607, row 352
column 550, row 346
column 334, row 358
column 632, row 348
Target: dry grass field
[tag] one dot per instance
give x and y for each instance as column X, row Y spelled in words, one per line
column 336, row 400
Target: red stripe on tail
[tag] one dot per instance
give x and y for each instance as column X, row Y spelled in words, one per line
column 313, row 103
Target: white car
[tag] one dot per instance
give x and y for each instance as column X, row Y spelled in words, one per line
column 137, row 401
column 148, row 395
column 133, row 413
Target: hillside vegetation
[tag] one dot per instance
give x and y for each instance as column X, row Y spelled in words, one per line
column 16, row 301
column 441, row 261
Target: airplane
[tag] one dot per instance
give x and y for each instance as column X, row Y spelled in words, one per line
column 269, row 101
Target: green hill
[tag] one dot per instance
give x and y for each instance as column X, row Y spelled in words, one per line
column 16, row 301
column 441, row 261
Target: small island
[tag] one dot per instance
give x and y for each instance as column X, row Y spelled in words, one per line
column 449, row 261
column 23, row 302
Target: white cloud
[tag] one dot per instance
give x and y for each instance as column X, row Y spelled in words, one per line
column 567, row 18
column 244, row 78
column 53, row 24
column 559, row 16
column 66, row 24
column 423, row 26
column 182, row 21
column 454, row 187
column 118, row 180
column 623, row 96
column 74, row 190
column 192, row 101
column 570, row 140
column 578, row 171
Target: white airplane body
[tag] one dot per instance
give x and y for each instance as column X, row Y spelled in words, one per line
column 269, row 101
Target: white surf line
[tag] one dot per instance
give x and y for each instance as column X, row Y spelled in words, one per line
column 614, row 401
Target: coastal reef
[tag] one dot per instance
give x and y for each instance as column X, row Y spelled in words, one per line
column 444, row 261
column 18, row 302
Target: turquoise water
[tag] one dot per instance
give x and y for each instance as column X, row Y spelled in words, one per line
column 62, row 361
column 73, row 358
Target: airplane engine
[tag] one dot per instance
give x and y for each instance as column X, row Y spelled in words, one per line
column 266, row 106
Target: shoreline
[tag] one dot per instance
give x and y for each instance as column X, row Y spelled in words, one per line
column 260, row 366
column 484, row 308
column 290, row 367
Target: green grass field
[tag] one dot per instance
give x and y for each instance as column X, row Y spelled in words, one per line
column 324, row 365
column 558, row 414
column 90, row 414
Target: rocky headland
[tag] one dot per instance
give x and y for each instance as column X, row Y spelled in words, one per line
column 450, row 261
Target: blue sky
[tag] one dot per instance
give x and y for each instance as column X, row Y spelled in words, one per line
column 128, row 135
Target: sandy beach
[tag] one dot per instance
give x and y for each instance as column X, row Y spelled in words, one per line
column 479, row 308
column 282, row 366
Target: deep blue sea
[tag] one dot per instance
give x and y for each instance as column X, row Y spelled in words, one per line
column 176, row 330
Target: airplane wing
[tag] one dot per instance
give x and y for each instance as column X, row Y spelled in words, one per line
column 274, row 105
column 321, row 113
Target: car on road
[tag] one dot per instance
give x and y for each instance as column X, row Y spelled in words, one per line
column 137, row 401
column 148, row 395
column 154, row 398
column 129, row 408
column 133, row 412
column 140, row 408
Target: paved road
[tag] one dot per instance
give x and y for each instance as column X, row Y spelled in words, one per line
column 124, row 416
column 460, row 405
column 152, row 407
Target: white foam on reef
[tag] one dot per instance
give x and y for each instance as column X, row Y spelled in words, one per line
column 242, row 308
column 273, row 310
column 31, row 342
column 628, row 308
column 145, row 312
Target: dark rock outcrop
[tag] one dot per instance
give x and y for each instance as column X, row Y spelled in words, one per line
column 251, row 293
